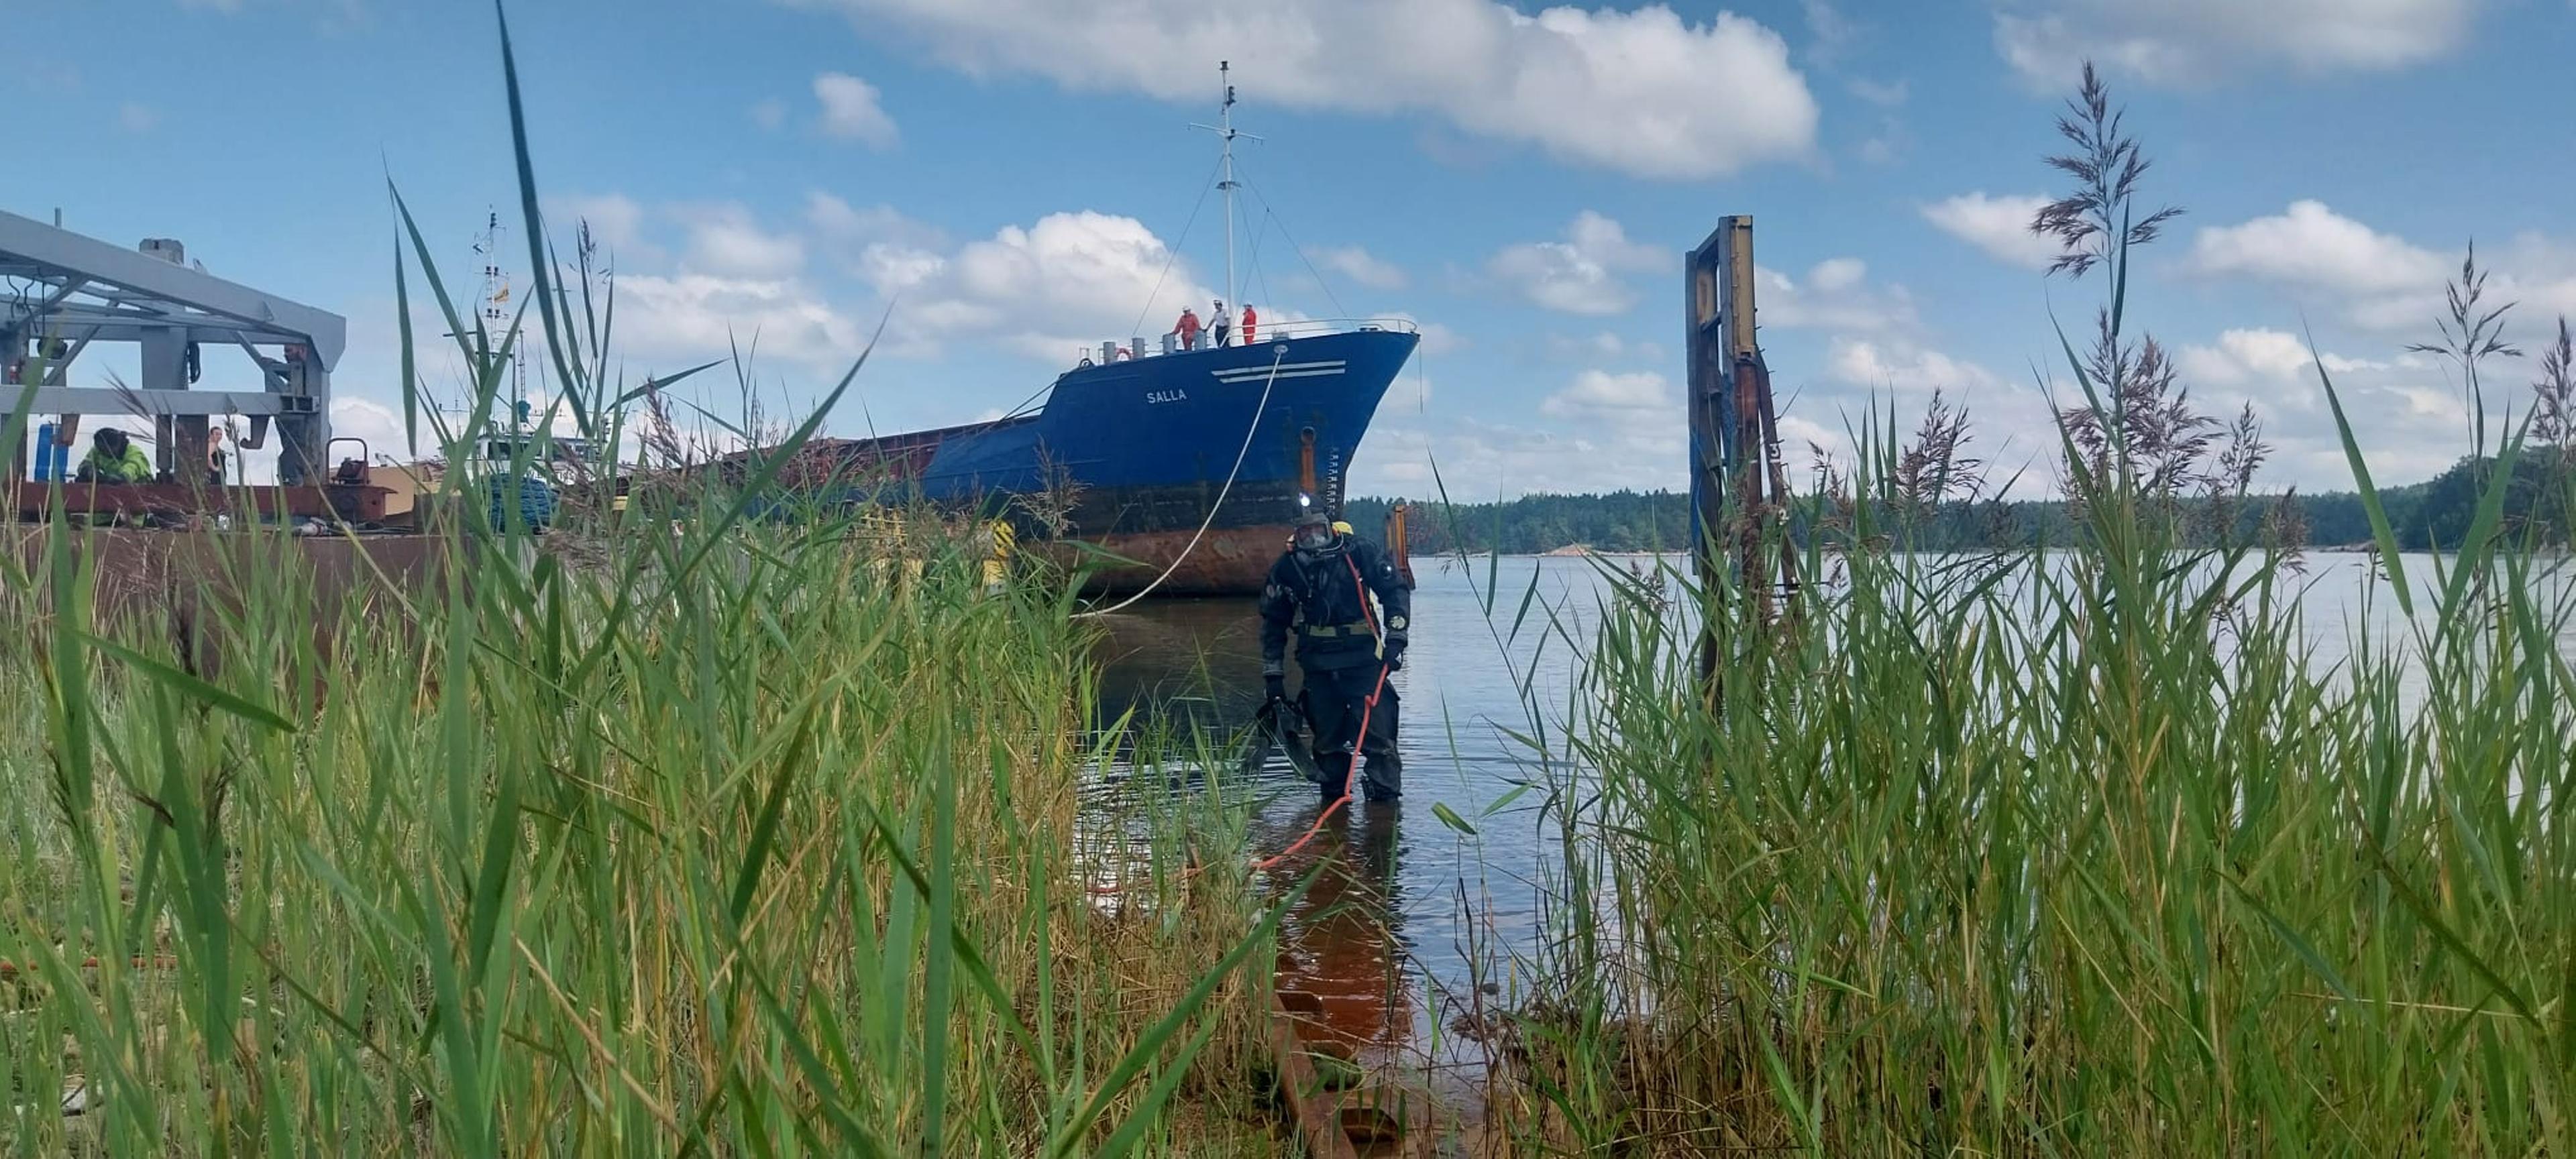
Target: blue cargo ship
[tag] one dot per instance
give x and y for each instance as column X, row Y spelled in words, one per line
column 1192, row 463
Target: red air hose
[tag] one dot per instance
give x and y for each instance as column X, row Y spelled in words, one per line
column 1367, row 708
column 1359, row 746
column 1357, row 750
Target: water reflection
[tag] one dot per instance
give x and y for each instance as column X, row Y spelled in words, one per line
column 1196, row 664
column 1389, row 937
column 1182, row 663
column 1344, row 940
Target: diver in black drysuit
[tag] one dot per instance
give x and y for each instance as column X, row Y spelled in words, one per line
column 1346, row 648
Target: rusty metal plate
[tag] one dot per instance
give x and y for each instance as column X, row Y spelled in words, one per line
column 355, row 503
column 1227, row 561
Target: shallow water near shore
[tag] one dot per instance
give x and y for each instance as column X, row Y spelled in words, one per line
column 1412, row 909
column 1407, row 937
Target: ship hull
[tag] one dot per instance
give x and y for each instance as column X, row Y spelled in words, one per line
column 1232, row 561
column 1187, row 467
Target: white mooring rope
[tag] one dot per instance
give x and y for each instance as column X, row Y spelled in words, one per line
column 1257, row 410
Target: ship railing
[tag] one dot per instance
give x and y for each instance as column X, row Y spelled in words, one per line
column 1264, row 330
column 1317, row 327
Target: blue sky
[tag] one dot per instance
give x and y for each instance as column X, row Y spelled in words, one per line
column 1012, row 176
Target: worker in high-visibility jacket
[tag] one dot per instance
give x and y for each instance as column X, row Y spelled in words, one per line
column 1249, row 318
column 113, row 458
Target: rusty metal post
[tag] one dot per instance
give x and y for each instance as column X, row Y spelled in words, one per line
column 1399, row 542
column 1739, row 483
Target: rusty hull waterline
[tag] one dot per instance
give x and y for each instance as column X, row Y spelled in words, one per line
column 1231, row 561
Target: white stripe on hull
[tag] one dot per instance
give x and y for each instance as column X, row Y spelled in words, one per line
column 1284, row 370
column 1259, row 379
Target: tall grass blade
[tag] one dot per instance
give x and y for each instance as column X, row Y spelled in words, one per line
column 1151, row 1044
column 2381, row 531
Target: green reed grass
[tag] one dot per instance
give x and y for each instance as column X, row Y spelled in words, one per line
column 2073, row 852
column 674, row 831
column 785, row 862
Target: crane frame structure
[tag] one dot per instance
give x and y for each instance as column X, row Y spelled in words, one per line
column 60, row 292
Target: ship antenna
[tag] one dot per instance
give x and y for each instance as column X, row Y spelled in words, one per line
column 490, row 315
column 1226, row 133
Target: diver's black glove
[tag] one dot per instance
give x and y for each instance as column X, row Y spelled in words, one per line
column 1395, row 651
column 1275, row 686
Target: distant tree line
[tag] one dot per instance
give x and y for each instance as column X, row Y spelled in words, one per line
column 1531, row 524
column 2435, row 514
column 1931, row 490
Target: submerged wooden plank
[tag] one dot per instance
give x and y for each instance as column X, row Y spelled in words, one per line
column 1311, row 1108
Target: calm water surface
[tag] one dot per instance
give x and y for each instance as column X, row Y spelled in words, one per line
column 1387, row 937
column 1408, row 904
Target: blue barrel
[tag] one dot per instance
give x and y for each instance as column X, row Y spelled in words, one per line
column 53, row 460
column 534, row 497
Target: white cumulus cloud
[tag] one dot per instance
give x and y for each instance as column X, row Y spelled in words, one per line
column 1999, row 225
column 2241, row 357
column 2263, row 357
column 2379, row 280
column 1643, row 92
column 851, row 110
column 1836, row 294
column 1438, row 340
column 888, row 250
column 2407, row 411
column 374, row 423
column 1410, row 393
column 1902, row 366
column 1600, row 394
column 1603, row 344
column 1581, row 274
column 2312, row 246
column 615, row 220
column 727, row 241
column 1361, row 266
column 1063, row 283
column 2182, row 42
column 1480, row 457
column 679, row 317
column 1048, row 289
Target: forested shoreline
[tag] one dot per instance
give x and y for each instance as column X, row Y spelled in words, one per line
column 2430, row 515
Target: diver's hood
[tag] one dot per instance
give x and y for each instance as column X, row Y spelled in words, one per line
column 1337, row 544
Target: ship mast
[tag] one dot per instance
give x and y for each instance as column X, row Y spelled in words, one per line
column 1225, row 132
column 494, row 316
